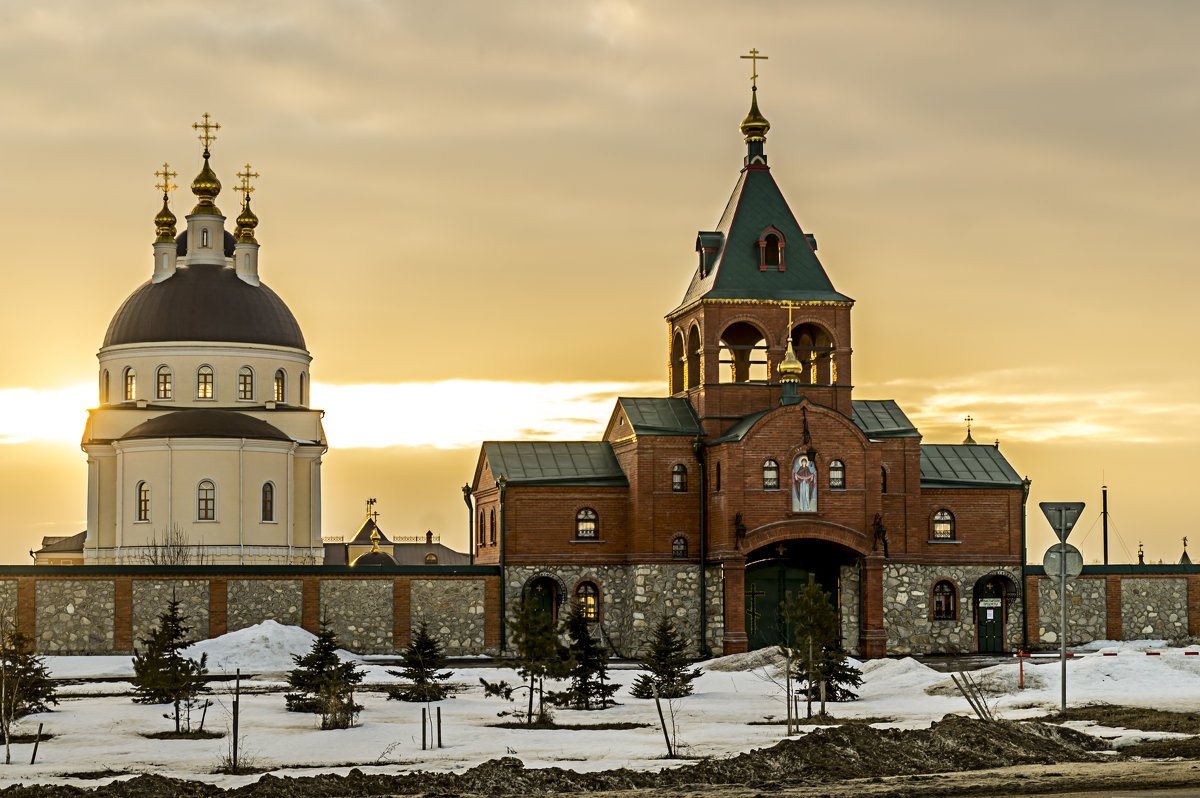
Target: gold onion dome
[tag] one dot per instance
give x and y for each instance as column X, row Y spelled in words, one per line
column 790, row 367
column 164, row 224
column 206, row 187
column 755, row 125
column 246, row 222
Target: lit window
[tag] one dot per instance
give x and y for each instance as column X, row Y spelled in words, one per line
column 943, row 525
column 945, row 601
column 837, row 475
column 206, row 501
column 245, row 383
column 679, row 478
column 587, row 524
column 281, row 386
column 587, row 595
column 679, row 548
column 431, row 559
column 268, row 502
column 770, row 475
column 204, row 238
column 163, row 389
column 143, row 501
column 204, row 382
column 130, row 385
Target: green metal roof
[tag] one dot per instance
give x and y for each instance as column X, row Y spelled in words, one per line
column 740, row 427
column 882, row 418
column 965, row 465
column 554, row 462
column 757, row 204
column 661, row 416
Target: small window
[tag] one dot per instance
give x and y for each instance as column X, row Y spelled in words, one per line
column 130, row 385
column 587, row 524
column 303, row 389
column 280, row 386
column 245, row 383
column 770, row 475
column 204, row 238
column 587, row 595
column 104, row 388
column 431, row 559
column 679, row 478
column 206, row 501
column 482, row 532
column 164, row 388
column 837, row 475
column 770, row 248
column 679, row 548
column 717, row 477
column 945, row 601
column 268, row 502
column 204, row 382
column 143, row 501
column 492, row 533
column 943, row 525
column 882, row 479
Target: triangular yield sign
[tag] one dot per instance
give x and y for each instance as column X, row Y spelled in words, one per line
column 1062, row 516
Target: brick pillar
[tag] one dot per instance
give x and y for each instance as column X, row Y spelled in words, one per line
column 872, row 640
column 1112, row 601
column 402, row 614
column 310, row 606
column 493, row 612
column 27, row 607
column 123, row 614
column 1033, row 622
column 734, row 641
column 1193, row 604
column 218, row 596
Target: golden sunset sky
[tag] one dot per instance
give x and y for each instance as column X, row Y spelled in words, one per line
column 480, row 212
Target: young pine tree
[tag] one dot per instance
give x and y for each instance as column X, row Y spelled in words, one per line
column 667, row 664
column 819, row 659
column 161, row 674
column 25, row 686
column 589, row 672
column 539, row 655
column 419, row 664
column 324, row 684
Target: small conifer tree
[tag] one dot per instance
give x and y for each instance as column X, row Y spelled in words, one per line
column 25, row 686
column 539, row 655
column 161, row 674
column 419, row 664
column 819, row 659
column 589, row 672
column 666, row 663
column 324, row 684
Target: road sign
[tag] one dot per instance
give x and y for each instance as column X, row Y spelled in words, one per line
column 1062, row 556
column 1062, row 516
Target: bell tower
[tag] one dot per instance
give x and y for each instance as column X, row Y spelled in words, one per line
column 758, row 285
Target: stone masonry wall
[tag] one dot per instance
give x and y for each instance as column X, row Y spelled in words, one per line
column 715, row 588
column 8, row 604
column 75, row 616
column 252, row 601
column 454, row 610
column 1153, row 608
column 908, row 616
column 150, row 600
column 1086, row 611
column 360, row 612
column 851, row 590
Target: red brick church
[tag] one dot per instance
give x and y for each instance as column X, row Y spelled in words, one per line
column 758, row 471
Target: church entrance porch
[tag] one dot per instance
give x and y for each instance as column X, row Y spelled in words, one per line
column 991, row 593
column 779, row 570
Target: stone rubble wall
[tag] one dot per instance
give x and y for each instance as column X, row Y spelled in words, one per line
column 1087, row 614
column 150, row 600
column 908, row 613
column 850, row 579
column 1153, row 608
column 360, row 612
column 75, row 616
column 454, row 610
column 8, row 603
column 252, row 601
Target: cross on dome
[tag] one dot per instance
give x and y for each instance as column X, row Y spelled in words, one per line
column 208, row 136
column 245, row 186
column 754, row 59
column 166, row 174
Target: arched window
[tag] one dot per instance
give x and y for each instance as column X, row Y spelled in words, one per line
column 280, row 386
column 837, row 475
column 743, row 354
column 245, row 383
column 882, row 479
column 678, row 360
column 482, row 533
column 770, row 475
column 431, row 559
column 204, row 238
column 814, row 348
column 587, row 595
column 770, row 250
column 679, row 478
column 163, row 389
column 587, row 524
column 143, row 501
column 268, row 502
column 943, row 525
column 303, row 389
column 693, row 357
column 104, row 388
column 204, row 382
column 717, row 477
column 679, row 548
column 945, row 601
column 130, row 384
column 206, row 501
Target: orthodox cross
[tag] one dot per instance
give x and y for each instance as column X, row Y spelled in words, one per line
column 166, row 174
column 752, row 614
column 370, row 505
column 968, row 419
column 754, row 59
column 782, row 549
column 1185, row 541
column 208, row 136
column 245, row 186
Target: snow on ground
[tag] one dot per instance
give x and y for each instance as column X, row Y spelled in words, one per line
column 101, row 732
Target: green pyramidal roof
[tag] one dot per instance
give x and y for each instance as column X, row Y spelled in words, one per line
column 733, row 271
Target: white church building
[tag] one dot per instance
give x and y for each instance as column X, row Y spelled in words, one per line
column 203, row 434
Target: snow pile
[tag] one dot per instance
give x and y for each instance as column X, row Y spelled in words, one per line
column 267, row 647
column 1121, row 646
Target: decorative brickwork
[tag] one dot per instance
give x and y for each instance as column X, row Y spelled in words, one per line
column 150, row 599
column 360, row 611
column 454, row 610
column 75, row 616
column 252, row 601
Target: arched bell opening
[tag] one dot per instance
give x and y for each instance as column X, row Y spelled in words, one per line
column 814, row 348
column 743, row 355
column 693, row 357
column 776, row 570
column 678, row 363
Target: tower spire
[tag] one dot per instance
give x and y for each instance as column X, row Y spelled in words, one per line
column 755, row 125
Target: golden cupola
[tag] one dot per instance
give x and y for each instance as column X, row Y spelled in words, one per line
column 246, row 222
column 790, row 368
column 755, row 125
column 206, row 187
column 164, row 223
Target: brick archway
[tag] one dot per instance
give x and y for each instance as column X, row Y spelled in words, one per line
column 806, row 529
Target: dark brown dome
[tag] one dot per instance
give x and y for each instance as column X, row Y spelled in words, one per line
column 374, row 558
column 206, row 424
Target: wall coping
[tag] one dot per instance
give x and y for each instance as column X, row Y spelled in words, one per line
column 1166, row 569
column 247, row 571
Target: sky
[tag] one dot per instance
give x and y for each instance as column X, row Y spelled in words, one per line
column 481, row 212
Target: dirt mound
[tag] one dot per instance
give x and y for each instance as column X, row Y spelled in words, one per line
column 954, row 743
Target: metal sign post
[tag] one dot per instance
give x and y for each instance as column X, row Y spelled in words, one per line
column 1062, row 517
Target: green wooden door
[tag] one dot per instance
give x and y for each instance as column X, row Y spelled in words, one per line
column 767, row 588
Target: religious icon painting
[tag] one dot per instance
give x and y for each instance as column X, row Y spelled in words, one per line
column 804, row 485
